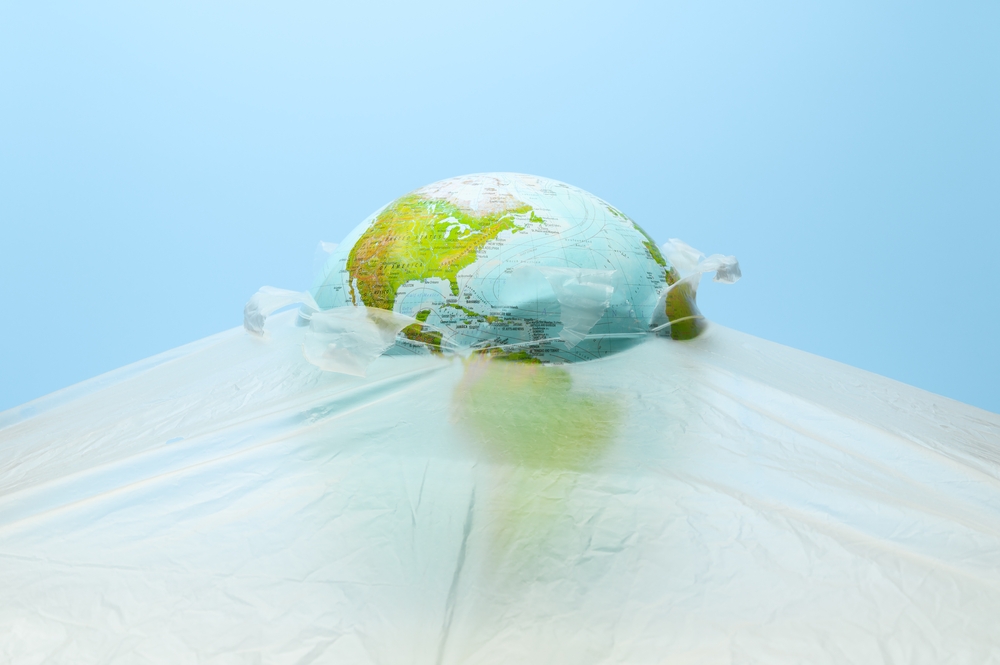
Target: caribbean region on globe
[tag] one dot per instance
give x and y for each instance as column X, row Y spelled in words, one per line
column 513, row 266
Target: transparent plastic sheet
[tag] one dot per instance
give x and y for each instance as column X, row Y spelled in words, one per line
column 582, row 296
column 726, row 500
column 348, row 339
column 676, row 313
column 689, row 261
column 267, row 301
column 343, row 339
column 677, row 307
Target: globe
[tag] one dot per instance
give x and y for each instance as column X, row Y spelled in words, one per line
column 515, row 266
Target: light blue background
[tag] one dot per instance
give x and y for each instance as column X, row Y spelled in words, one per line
column 159, row 163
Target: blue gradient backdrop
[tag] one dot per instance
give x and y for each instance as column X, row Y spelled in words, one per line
column 160, row 162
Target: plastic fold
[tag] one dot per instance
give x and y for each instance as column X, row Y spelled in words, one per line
column 348, row 339
column 267, row 301
column 343, row 339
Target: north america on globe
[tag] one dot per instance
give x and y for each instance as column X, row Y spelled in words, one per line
column 518, row 266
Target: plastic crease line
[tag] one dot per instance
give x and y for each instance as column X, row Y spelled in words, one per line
column 449, row 610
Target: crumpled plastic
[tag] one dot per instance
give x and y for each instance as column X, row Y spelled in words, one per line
column 344, row 339
column 348, row 339
column 676, row 313
column 269, row 300
column 689, row 261
column 583, row 295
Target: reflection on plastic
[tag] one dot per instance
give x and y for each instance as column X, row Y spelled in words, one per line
column 539, row 433
column 529, row 415
column 724, row 500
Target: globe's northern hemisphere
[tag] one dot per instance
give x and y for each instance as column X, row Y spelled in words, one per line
column 515, row 265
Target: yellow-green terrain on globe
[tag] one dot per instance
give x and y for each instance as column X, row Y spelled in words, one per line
column 510, row 265
column 414, row 238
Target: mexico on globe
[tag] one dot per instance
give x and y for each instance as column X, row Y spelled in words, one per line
column 511, row 266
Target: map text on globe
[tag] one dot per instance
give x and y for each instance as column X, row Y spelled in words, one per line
column 517, row 266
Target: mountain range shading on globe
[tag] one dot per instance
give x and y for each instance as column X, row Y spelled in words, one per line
column 518, row 267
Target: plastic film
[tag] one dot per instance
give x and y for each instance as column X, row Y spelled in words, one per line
column 677, row 308
column 579, row 296
column 343, row 339
column 348, row 339
column 267, row 301
column 583, row 297
column 727, row 500
column 688, row 261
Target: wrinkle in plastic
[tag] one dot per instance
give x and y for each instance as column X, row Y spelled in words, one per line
column 348, row 339
column 343, row 339
column 582, row 295
column 270, row 299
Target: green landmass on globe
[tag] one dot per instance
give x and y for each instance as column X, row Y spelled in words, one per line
column 513, row 267
column 412, row 239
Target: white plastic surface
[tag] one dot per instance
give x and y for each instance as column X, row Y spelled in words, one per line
column 723, row 500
